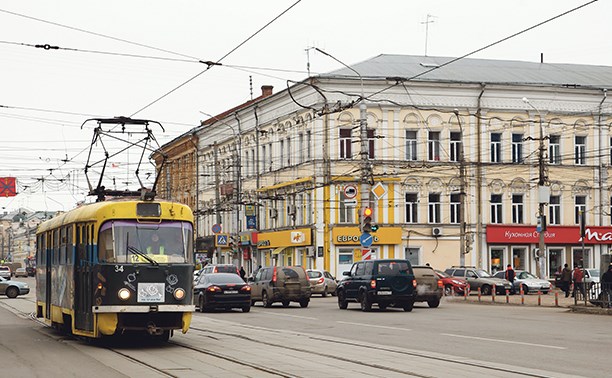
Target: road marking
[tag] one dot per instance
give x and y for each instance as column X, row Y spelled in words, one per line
column 291, row 316
column 375, row 326
column 503, row 341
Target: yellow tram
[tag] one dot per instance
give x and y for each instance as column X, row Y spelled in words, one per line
column 117, row 266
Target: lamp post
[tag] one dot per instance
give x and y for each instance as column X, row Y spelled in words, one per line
column 543, row 195
column 462, row 194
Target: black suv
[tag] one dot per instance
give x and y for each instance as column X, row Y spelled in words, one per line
column 384, row 282
column 280, row 284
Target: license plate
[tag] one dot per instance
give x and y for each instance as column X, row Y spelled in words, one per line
column 231, row 291
column 385, row 292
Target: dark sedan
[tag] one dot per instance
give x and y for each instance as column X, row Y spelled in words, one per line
column 222, row 290
column 12, row 288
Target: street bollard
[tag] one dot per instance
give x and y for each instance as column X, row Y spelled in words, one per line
column 493, row 293
column 465, row 293
column 507, row 296
column 556, row 298
column 522, row 296
column 479, row 293
column 539, row 297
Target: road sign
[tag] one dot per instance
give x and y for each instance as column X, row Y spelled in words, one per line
column 221, row 240
column 216, row 228
column 350, row 191
column 366, row 254
column 366, row 240
column 350, row 202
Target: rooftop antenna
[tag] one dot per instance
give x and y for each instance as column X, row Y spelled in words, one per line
column 308, row 58
column 251, row 85
column 427, row 22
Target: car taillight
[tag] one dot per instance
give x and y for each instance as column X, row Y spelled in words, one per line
column 213, row 288
column 246, row 288
column 321, row 280
column 414, row 283
column 216, row 270
column 440, row 284
column 274, row 275
column 373, row 284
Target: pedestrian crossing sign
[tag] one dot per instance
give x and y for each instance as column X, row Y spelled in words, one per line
column 221, row 240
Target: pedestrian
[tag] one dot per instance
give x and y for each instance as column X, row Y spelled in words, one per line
column 242, row 272
column 606, row 287
column 510, row 276
column 578, row 276
column 566, row 280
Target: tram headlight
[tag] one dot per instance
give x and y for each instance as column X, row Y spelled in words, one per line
column 179, row 294
column 124, row 294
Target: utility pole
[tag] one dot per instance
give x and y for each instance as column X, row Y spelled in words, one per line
column 462, row 194
column 543, row 196
column 217, row 195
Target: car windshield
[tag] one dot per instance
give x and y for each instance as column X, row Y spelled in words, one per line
column 593, row 272
column 224, row 278
column 314, row 274
column 128, row 241
column 393, row 268
column 527, row 275
column 482, row 273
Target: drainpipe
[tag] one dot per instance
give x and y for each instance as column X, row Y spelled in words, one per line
column 479, row 189
column 602, row 170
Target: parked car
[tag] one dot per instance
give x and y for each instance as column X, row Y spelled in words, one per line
column 31, row 271
column 321, row 282
column 479, row 278
column 429, row 287
column 526, row 280
column 222, row 290
column 452, row 284
column 21, row 272
column 281, row 284
column 591, row 276
column 5, row 272
column 388, row 282
column 12, row 288
column 220, row 268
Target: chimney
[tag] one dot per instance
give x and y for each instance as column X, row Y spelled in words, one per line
column 266, row 90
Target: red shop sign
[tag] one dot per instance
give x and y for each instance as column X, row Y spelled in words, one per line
column 553, row 235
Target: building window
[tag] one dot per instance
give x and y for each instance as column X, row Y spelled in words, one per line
column 433, row 146
column 346, row 212
column 300, row 151
column 517, row 208
column 455, row 145
column 412, row 208
column 579, row 207
column 308, row 209
column 308, row 145
column 554, row 149
column 371, row 138
column 496, row 208
column 282, row 153
column 345, row 143
column 496, row 156
column 580, row 150
column 517, row 148
column 289, row 152
column 270, row 161
column 246, row 163
column 411, row 145
column 434, row 208
column 554, row 210
column 263, row 155
column 455, row 207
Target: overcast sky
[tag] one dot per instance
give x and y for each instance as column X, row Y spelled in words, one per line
column 121, row 57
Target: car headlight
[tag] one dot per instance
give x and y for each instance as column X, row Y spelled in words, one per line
column 179, row 294
column 124, row 294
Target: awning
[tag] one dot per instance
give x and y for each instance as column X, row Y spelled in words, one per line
column 278, row 250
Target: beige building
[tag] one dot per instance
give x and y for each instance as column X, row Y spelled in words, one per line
column 292, row 184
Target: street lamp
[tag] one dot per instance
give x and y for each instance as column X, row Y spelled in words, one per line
column 543, row 195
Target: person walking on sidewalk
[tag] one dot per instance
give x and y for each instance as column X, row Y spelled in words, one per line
column 606, row 286
column 578, row 275
column 510, row 276
column 566, row 280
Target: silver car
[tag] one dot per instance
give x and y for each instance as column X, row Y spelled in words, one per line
column 526, row 280
column 321, row 282
column 12, row 288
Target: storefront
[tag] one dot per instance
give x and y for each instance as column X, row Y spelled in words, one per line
column 285, row 248
column 518, row 245
column 386, row 244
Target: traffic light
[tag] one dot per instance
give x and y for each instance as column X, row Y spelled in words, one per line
column 366, row 220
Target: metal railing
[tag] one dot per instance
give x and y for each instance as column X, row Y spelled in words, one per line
column 594, row 293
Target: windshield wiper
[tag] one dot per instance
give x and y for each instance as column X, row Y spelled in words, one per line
column 143, row 255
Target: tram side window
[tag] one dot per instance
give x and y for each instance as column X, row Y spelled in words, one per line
column 55, row 259
column 62, row 254
column 70, row 248
column 105, row 246
column 80, row 244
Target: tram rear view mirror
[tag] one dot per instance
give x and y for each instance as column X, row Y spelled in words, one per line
column 148, row 209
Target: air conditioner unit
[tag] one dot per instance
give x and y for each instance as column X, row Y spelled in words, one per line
column 310, row 251
column 437, row 231
column 273, row 213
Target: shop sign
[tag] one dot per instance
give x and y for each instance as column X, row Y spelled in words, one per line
column 351, row 235
column 553, row 235
column 294, row 238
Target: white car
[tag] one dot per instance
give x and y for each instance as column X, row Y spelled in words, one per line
column 5, row 272
column 529, row 282
column 321, row 282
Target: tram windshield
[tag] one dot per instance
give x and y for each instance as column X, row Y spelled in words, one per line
column 128, row 241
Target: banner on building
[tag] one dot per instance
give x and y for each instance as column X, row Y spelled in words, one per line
column 8, row 187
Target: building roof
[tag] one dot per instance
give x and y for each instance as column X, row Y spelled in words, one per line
column 470, row 70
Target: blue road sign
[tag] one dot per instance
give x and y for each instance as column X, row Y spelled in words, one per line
column 221, row 240
column 366, row 239
column 216, row 228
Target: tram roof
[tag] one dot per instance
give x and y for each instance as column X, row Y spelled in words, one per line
column 116, row 209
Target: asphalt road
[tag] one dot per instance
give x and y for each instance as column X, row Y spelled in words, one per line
column 454, row 340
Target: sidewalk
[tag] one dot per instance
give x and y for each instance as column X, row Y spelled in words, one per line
column 532, row 300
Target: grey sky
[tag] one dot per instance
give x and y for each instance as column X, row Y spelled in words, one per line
column 74, row 85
